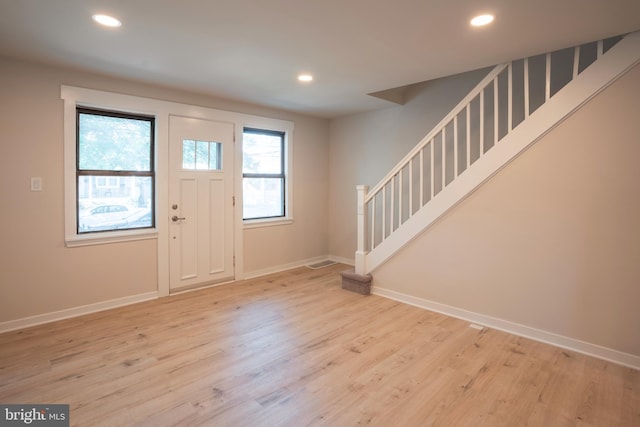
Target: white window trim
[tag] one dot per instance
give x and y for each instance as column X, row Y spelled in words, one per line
column 74, row 96
column 77, row 97
column 266, row 222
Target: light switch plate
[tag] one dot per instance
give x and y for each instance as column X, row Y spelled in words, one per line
column 36, row 183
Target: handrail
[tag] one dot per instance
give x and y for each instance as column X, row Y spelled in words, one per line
column 393, row 197
column 438, row 128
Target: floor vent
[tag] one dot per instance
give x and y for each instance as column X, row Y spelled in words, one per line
column 321, row 264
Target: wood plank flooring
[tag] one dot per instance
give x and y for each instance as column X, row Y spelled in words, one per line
column 294, row 349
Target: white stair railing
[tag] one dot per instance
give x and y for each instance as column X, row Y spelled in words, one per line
column 505, row 98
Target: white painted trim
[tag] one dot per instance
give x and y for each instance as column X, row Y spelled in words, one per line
column 284, row 267
column 238, row 232
column 39, row 319
column 262, row 222
column 116, row 236
column 546, row 337
column 73, row 98
column 342, row 260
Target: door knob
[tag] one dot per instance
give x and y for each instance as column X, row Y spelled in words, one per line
column 176, row 218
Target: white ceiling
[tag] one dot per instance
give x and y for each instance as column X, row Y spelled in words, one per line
column 252, row 50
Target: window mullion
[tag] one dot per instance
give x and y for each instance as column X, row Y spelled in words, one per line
column 114, row 173
column 263, row 175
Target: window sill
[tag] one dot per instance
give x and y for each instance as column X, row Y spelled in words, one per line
column 109, row 237
column 256, row 223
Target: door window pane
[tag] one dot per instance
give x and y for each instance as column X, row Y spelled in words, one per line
column 188, row 154
column 201, row 155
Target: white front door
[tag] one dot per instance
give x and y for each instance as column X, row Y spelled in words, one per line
column 200, row 202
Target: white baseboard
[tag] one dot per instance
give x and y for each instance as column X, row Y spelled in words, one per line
column 578, row 346
column 296, row 264
column 39, row 319
column 284, row 267
column 342, row 260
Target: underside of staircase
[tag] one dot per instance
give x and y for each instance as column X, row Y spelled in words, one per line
column 514, row 106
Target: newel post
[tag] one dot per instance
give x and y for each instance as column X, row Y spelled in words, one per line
column 361, row 251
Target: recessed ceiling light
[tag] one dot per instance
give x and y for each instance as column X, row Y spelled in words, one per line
column 106, row 20
column 305, row 77
column 481, row 20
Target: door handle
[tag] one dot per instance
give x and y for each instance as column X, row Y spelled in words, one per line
column 176, row 218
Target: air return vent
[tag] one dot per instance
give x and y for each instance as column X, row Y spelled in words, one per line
column 321, row 264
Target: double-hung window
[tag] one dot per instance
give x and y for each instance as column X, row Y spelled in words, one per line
column 115, row 176
column 264, row 184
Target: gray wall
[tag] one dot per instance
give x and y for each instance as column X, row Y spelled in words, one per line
column 364, row 147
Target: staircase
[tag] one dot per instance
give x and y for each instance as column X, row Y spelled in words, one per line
column 510, row 109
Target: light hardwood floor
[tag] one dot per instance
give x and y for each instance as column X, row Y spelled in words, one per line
column 294, row 349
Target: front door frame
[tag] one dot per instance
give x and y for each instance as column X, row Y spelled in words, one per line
column 240, row 121
column 163, row 211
